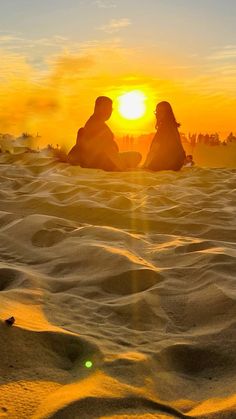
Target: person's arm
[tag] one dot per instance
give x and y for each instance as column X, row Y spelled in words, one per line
column 110, row 149
column 107, row 141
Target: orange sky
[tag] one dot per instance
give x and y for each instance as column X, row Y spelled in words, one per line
column 48, row 84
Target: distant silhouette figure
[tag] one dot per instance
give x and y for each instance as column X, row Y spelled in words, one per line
column 95, row 146
column 166, row 150
column 189, row 161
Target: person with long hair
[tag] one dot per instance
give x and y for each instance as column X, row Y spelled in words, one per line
column 166, row 150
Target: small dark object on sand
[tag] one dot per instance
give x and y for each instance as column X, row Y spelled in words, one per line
column 10, row 321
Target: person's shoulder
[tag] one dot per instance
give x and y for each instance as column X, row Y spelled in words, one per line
column 90, row 121
column 106, row 127
column 94, row 123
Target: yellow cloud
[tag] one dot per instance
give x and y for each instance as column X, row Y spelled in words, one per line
column 115, row 25
column 58, row 98
column 13, row 66
column 105, row 4
column 70, row 67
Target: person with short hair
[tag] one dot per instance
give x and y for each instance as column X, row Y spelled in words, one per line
column 95, row 146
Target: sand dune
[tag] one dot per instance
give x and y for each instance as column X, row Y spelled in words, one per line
column 133, row 272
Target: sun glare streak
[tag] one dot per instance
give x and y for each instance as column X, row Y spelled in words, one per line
column 132, row 105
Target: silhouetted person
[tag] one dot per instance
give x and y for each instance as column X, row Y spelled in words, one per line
column 74, row 156
column 166, row 150
column 189, row 161
column 95, row 146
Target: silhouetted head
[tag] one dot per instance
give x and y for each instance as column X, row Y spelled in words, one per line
column 103, row 107
column 165, row 115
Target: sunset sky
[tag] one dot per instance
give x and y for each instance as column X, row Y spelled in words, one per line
column 57, row 56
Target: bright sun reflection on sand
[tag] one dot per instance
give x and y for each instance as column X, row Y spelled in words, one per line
column 132, row 105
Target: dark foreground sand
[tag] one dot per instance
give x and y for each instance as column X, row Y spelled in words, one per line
column 134, row 272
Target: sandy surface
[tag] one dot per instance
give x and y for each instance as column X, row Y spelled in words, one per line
column 134, row 272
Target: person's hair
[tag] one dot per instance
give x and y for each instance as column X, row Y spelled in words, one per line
column 169, row 118
column 102, row 100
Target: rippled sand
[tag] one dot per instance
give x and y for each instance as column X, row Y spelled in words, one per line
column 134, row 272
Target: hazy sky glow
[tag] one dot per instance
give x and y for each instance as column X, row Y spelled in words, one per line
column 58, row 55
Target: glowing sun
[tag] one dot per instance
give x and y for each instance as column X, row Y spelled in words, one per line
column 132, row 105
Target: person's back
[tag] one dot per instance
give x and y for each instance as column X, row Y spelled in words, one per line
column 166, row 151
column 98, row 145
column 74, row 156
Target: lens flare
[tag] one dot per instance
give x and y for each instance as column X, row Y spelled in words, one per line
column 88, row 364
column 132, row 105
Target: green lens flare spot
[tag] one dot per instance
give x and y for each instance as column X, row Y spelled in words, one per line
column 88, row 364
